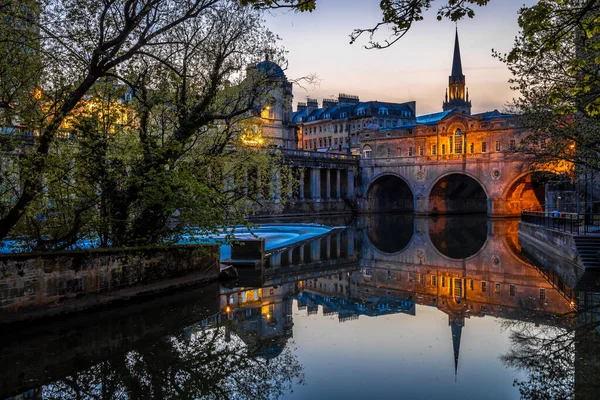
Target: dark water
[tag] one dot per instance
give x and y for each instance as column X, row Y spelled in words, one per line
column 392, row 307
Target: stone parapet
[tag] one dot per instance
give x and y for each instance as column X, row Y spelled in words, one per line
column 38, row 285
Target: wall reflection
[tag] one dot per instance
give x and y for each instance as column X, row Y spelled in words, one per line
column 465, row 267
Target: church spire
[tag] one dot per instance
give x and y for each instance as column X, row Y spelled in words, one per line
column 457, row 84
column 456, row 326
column 456, row 63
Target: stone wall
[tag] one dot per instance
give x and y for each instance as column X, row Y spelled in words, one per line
column 553, row 250
column 38, row 285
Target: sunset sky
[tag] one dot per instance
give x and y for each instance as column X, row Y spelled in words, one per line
column 415, row 68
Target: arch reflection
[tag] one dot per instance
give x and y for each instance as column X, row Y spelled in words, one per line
column 389, row 233
column 458, row 237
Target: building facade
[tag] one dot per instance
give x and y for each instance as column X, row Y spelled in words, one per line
column 336, row 126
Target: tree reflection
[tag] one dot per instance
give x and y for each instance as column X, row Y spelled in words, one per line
column 561, row 358
column 209, row 363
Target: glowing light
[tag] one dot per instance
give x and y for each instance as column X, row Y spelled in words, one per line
column 227, row 309
column 252, row 137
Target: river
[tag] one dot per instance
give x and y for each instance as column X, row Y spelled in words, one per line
column 392, row 307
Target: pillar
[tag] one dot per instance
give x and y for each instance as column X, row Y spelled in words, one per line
column 315, row 249
column 301, row 254
column 276, row 185
column 338, row 187
column 350, row 239
column 350, row 184
column 315, row 184
column 328, row 247
column 328, row 184
column 290, row 183
column 301, row 187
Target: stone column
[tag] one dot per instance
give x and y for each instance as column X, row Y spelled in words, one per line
column 328, row 184
column 315, row 250
column 328, row 247
column 315, row 184
column 338, row 187
column 276, row 184
column 275, row 260
column 259, row 195
column 338, row 245
column 302, row 253
column 301, row 186
column 290, row 184
column 350, row 239
column 350, row 184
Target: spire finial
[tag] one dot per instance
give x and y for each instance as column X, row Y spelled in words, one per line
column 456, row 62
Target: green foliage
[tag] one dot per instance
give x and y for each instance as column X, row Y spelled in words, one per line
column 399, row 15
column 150, row 151
column 555, row 67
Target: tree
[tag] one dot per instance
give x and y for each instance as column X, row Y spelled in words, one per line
column 184, row 66
column 399, row 15
column 208, row 364
column 555, row 62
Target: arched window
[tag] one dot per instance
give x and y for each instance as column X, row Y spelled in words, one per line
column 367, row 152
column 458, row 142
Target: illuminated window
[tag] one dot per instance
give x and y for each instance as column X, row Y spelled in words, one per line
column 443, row 149
column 433, row 280
column 433, row 150
column 458, row 142
column 497, row 146
column 443, row 281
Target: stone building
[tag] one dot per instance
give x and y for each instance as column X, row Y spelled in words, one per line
column 276, row 110
column 336, row 126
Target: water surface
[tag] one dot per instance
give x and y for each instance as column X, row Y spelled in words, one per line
column 391, row 307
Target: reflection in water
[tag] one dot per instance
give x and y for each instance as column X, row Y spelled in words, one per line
column 437, row 283
column 458, row 236
column 389, row 233
column 562, row 360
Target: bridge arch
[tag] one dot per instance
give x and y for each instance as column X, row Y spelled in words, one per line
column 527, row 191
column 458, row 193
column 389, row 192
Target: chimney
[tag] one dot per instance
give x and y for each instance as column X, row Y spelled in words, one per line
column 329, row 103
column 311, row 105
column 301, row 107
column 347, row 100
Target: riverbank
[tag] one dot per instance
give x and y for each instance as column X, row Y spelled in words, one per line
column 36, row 285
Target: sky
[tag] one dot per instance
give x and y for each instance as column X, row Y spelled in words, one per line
column 414, row 69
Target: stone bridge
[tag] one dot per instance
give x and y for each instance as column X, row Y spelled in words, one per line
column 499, row 184
column 452, row 163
